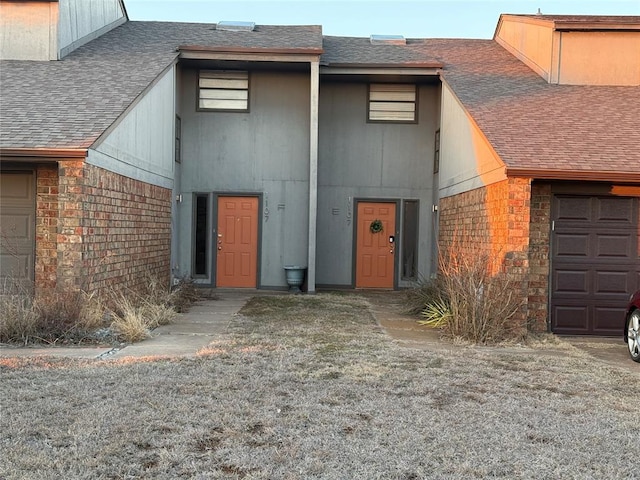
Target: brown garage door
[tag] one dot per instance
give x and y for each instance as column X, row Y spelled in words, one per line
column 17, row 228
column 595, row 263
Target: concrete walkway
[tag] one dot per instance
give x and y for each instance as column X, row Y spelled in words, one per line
column 209, row 318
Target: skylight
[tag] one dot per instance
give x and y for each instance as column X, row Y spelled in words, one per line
column 387, row 40
column 235, row 26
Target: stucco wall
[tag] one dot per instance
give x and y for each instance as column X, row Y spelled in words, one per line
column 360, row 160
column 467, row 160
column 141, row 146
column 529, row 41
column 28, row 30
column 599, row 58
column 264, row 151
column 81, row 21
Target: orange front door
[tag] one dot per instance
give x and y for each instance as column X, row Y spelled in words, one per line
column 237, row 242
column 375, row 254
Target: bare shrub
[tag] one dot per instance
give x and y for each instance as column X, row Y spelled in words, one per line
column 73, row 316
column 476, row 300
column 184, row 295
column 130, row 322
column 18, row 319
column 423, row 293
column 51, row 317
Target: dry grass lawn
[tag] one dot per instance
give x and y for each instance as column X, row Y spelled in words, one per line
column 309, row 387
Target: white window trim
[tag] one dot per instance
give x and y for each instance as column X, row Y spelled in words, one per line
column 392, row 103
column 223, row 91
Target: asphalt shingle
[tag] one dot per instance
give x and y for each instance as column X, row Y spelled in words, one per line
column 530, row 123
column 70, row 103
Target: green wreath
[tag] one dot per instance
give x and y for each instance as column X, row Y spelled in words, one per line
column 376, row 226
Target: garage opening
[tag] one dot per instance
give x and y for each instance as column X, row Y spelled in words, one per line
column 595, row 263
column 17, row 229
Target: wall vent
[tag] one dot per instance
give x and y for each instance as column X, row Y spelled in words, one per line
column 234, row 26
column 387, row 40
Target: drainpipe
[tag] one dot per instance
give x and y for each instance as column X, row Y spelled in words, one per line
column 313, row 175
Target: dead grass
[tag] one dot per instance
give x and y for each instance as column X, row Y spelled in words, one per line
column 308, row 387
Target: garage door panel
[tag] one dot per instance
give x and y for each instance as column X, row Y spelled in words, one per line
column 571, row 319
column 595, row 263
column 572, row 245
column 608, row 282
column 614, row 245
column 16, row 266
column 572, row 208
column 17, row 227
column 575, row 282
column 606, row 319
column 17, row 189
column 615, row 209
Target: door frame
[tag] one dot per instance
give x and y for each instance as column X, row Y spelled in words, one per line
column 214, row 227
column 354, row 241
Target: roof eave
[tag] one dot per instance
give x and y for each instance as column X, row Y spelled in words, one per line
column 579, row 175
column 42, row 154
column 199, row 52
column 410, row 65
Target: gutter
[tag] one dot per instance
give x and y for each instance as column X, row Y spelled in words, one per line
column 259, row 50
column 51, row 154
column 584, row 175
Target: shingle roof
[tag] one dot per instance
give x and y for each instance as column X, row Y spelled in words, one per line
column 536, row 125
column 359, row 51
column 585, row 19
column 70, row 103
column 530, row 123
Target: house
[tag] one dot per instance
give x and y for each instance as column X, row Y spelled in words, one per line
column 224, row 152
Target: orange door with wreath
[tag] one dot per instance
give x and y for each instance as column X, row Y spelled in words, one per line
column 237, row 242
column 375, row 252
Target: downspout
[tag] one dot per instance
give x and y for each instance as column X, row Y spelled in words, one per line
column 313, row 174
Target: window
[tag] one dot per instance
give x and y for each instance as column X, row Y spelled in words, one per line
column 178, row 138
column 436, row 153
column 392, row 103
column 201, row 235
column 223, row 90
column 410, row 240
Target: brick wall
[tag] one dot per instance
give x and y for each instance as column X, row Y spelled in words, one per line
column 494, row 219
column 539, row 262
column 98, row 230
column 46, row 248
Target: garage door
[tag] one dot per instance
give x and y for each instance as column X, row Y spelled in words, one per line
column 17, row 227
column 595, row 263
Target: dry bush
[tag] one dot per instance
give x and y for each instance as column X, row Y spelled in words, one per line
column 73, row 316
column 423, row 293
column 476, row 300
column 184, row 295
column 67, row 316
column 130, row 322
column 18, row 319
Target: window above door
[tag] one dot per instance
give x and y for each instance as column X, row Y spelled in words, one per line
column 223, row 90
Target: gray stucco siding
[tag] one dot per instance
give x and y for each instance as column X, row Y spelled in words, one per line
column 360, row 160
column 264, row 151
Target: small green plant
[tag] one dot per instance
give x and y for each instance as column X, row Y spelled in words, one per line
column 436, row 313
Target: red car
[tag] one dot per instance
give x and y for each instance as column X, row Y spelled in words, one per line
column 632, row 327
